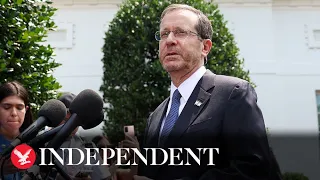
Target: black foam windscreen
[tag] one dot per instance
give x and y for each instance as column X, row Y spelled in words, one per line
column 91, row 124
column 88, row 106
column 54, row 110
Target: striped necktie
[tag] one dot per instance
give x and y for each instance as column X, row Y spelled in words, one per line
column 172, row 116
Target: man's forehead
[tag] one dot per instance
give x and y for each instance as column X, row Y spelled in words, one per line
column 179, row 18
column 181, row 12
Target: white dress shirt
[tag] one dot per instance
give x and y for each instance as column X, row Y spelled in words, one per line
column 185, row 89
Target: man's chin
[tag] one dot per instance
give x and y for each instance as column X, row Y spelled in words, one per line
column 172, row 67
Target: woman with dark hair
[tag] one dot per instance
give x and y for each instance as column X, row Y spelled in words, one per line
column 15, row 116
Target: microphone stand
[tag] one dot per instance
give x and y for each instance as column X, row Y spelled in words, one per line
column 34, row 171
column 58, row 168
column 40, row 142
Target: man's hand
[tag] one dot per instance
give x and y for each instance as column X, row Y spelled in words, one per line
column 140, row 178
column 131, row 142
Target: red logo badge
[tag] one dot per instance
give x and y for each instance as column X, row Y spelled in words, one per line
column 23, row 156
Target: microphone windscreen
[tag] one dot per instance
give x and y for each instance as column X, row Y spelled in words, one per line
column 88, row 124
column 87, row 105
column 54, row 110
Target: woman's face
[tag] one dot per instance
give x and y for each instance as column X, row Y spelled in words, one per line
column 12, row 113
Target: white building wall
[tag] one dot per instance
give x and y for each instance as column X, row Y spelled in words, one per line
column 81, row 55
column 279, row 40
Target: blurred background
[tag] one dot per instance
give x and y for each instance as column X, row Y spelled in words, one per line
column 279, row 41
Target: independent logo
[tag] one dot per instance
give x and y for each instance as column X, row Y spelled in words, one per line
column 23, row 156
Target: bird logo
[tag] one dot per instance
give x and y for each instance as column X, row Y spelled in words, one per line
column 23, row 156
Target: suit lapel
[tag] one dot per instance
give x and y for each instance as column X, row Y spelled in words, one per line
column 153, row 131
column 155, row 123
column 193, row 107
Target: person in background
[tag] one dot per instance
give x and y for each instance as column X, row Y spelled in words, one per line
column 66, row 99
column 98, row 172
column 15, row 117
column 101, row 141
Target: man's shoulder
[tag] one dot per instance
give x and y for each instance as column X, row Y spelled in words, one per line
column 225, row 85
column 229, row 81
column 222, row 80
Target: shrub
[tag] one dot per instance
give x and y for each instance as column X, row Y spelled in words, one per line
column 23, row 56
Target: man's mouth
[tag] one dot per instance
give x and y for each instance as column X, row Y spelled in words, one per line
column 171, row 53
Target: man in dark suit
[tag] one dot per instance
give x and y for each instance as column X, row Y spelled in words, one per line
column 204, row 110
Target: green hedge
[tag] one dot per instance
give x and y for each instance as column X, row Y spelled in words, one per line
column 23, row 57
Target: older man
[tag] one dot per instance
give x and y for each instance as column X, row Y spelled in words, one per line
column 204, row 110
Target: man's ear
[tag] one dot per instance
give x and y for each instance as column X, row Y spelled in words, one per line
column 27, row 107
column 207, row 45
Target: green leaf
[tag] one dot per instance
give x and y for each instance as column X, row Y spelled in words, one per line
column 3, row 2
column 23, row 25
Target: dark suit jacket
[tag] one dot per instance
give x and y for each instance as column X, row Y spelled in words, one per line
column 229, row 119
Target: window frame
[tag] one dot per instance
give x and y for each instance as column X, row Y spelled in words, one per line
column 318, row 111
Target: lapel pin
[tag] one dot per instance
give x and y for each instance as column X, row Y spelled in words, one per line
column 198, row 103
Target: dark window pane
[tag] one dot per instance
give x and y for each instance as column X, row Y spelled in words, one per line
column 318, row 102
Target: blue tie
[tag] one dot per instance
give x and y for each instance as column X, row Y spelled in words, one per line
column 172, row 116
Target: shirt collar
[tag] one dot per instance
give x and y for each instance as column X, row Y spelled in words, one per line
column 189, row 84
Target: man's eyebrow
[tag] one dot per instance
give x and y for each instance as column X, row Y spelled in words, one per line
column 164, row 29
column 176, row 28
column 179, row 28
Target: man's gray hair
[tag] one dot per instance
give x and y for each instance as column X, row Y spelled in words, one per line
column 203, row 27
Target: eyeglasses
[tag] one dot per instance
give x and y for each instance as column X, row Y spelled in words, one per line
column 178, row 34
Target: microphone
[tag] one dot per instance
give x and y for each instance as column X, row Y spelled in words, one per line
column 51, row 114
column 88, row 125
column 86, row 111
column 41, row 139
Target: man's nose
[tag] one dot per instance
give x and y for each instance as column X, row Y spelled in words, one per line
column 171, row 39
